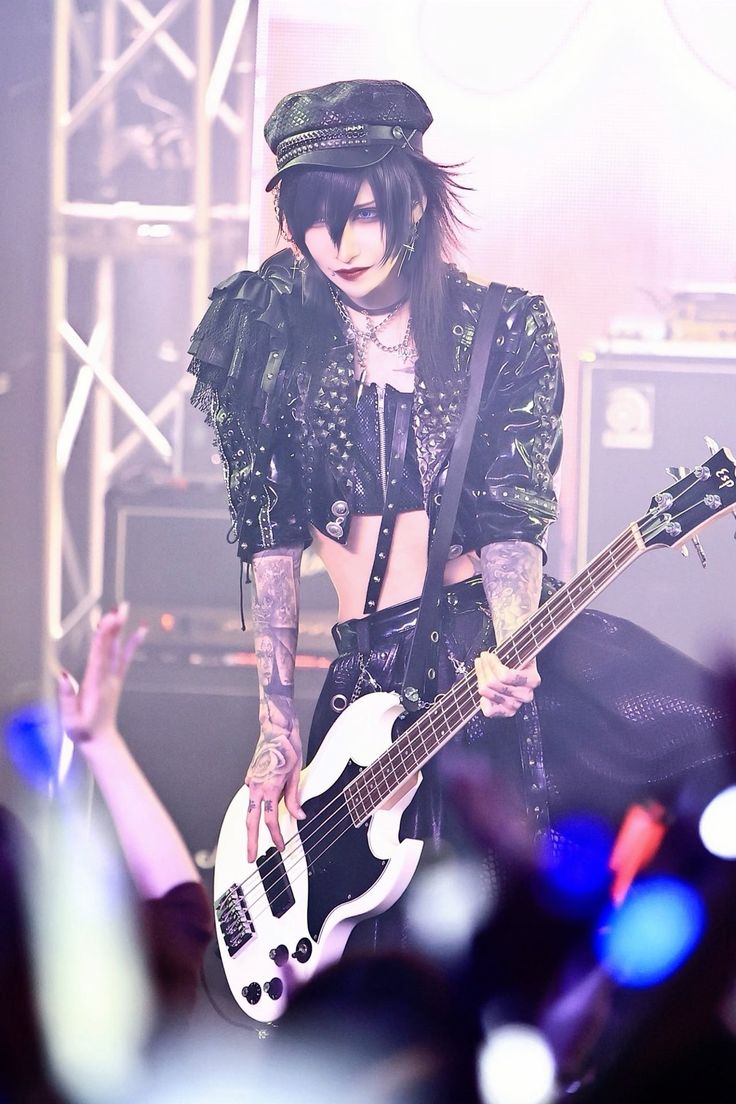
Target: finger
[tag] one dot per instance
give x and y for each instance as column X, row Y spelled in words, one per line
column 117, row 652
column 271, row 820
column 291, row 795
column 518, row 683
column 509, row 695
column 66, row 693
column 498, row 706
column 101, row 649
column 131, row 646
column 489, row 709
column 530, row 674
column 252, row 823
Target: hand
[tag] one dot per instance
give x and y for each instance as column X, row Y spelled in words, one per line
column 92, row 711
column 503, row 690
column 274, row 772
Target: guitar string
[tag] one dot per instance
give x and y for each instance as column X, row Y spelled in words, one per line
column 309, row 861
column 653, row 525
column 623, row 538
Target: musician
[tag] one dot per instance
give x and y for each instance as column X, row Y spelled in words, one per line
column 347, row 348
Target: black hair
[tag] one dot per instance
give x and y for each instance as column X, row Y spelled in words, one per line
column 401, row 180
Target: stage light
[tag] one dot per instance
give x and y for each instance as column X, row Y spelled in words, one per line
column 652, row 933
column 575, row 863
column 718, row 825
column 32, row 742
column 446, row 905
column 167, row 622
column 154, row 230
column 516, row 1066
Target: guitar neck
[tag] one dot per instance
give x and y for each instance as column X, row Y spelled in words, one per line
column 436, row 727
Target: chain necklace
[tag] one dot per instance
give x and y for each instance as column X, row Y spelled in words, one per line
column 363, row 338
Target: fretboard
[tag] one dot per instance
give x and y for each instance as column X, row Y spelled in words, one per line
column 439, row 723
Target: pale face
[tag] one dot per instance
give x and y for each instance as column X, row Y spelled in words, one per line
column 356, row 266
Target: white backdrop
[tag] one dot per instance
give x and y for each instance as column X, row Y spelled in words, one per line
column 598, row 136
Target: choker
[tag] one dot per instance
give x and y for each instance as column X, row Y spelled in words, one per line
column 373, row 310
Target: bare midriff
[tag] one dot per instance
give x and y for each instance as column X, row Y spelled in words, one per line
column 349, row 565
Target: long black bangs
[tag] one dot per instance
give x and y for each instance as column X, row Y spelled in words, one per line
column 400, row 181
column 308, row 196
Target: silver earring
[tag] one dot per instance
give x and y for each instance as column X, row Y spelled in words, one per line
column 299, row 266
column 409, row 246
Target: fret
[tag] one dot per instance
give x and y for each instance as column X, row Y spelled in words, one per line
column 353, row 808
column 432, row 729
column 419, row 742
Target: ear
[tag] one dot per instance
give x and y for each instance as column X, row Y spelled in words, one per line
column 418, row 209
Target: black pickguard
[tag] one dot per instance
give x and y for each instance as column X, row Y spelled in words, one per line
column 347, row 868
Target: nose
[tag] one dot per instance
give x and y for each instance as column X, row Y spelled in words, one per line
column 348, row 249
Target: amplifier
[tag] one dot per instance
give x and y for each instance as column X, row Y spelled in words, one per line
column 190, row 710
column 645, row 407
column 167, row 553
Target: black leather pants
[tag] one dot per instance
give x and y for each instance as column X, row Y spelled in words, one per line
column 622, row 715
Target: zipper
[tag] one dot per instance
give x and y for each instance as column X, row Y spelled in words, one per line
column 380, row 400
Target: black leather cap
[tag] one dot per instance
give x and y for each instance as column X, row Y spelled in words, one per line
column 347, row 124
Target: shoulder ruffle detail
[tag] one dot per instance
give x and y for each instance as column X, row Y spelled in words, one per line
column 246, row 319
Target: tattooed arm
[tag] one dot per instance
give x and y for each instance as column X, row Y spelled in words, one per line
column 512, row 580
column 277, row 760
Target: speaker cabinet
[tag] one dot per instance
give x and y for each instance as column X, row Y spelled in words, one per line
column 193, row 732
column 646, row 407
column 190, row 708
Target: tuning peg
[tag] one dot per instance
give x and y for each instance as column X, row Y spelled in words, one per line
column 712, row 445
column 677, row 473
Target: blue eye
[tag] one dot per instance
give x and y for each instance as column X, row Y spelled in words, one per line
column 366, row 214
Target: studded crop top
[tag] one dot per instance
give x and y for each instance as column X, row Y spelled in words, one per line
column 298, row 451
column 371, row 427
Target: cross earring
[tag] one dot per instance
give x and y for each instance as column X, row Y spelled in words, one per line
column 299, row 266
column 409, row 246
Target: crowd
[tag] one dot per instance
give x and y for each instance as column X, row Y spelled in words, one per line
column 552, row 990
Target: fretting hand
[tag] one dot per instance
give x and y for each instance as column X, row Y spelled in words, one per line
column 503, row 690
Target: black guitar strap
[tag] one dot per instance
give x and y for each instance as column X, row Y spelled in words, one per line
column 421, row 669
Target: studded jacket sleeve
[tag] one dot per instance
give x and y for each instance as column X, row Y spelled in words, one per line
column 238, row 352
column 516, row 452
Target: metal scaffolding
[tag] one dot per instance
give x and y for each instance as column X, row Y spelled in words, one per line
column 170, row 178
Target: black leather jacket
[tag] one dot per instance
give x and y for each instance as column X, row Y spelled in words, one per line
column 278, row 387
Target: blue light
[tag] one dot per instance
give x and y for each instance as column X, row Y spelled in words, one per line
column 652, row 933
column 32, row 741
column 575, row 868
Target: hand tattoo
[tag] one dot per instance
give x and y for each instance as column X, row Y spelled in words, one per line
column 269, row 761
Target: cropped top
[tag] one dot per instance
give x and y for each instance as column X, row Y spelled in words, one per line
column 278, row 387
column 371, row 429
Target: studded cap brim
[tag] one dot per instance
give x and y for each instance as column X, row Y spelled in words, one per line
column 360, row 157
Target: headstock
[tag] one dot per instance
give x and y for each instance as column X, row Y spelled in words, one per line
column 676, row 514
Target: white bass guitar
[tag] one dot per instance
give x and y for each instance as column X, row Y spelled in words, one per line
column 289, row 914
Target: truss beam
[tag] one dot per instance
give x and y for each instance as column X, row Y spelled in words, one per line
column 96, row 422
